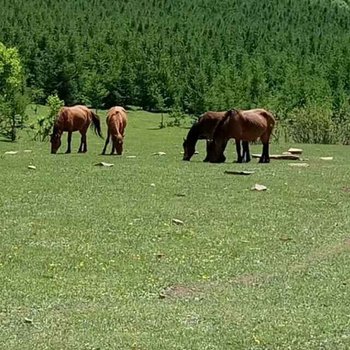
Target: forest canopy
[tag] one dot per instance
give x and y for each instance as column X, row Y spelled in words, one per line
column 292, row 56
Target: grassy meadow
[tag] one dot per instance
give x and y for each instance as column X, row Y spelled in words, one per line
column 90, row 258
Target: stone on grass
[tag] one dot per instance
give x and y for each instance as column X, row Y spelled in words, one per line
column 234, row 172
column 104, row 164
column 301, row 165
column 295, row 150
column 177, row 221
column 259, row 188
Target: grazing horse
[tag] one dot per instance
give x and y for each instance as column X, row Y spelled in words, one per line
column 242, row 125
column 202, row 129
column 70, row 119
column 116, row 123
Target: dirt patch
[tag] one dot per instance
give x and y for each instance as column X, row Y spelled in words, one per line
column 330, row 251
column 314, row 257
column 321, row 254
column 247, row 280
column 346, row 189
column 252, row 280
column 180, row 291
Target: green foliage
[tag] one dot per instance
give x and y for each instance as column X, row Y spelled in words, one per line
column 177, row 118
column 312, row 124
column 13, row 99
column 191, row 55
column 43, row 124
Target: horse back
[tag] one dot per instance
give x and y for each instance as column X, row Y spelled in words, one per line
column 116, row 120
column 249, row 125
column 207, row 123
column 257, row 119
column 73, row 118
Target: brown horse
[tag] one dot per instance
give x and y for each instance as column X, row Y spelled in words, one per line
column 70, row 119
column 202, row 129
column 116, row 124
column 242, row 125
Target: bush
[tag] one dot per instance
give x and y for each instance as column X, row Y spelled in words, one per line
column 176, row 117
column 312, row 124
column 43, row 124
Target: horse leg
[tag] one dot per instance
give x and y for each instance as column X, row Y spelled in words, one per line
column 238, row 151
column 221, row 157
column 266, row 152
column 206, row 159
column 106, row 143
column 69, row 141
column 85, row 143
column 114, row 143
column 246, row 153
column 264, row 156
column 80, row 150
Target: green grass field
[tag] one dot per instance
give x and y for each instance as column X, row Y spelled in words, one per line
column 90, row 258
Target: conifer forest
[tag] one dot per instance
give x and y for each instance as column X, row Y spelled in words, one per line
column 290, row 56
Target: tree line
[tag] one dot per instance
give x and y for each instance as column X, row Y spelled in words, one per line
column 290, row 56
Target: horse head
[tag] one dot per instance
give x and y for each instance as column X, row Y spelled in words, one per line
column 189, row 149
column 55, row 139
column 119, row 145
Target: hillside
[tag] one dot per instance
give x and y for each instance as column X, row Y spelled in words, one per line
column 285, row 55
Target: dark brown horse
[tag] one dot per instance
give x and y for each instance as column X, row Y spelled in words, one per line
column 242, row 125
column 70, row 119
column 116, row 124
column 202, row 129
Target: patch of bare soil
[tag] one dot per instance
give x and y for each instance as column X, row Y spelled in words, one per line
column 321, row 254
column 330, row 251
column 180, row 291
column 252, row 280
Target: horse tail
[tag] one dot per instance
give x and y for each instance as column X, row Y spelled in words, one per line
column 271, row 120
column 96, row 124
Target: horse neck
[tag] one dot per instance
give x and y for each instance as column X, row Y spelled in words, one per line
column 218, row 131
column 193, row 134
column 56, row 128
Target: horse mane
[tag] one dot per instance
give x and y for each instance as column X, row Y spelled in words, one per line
column 220, row 124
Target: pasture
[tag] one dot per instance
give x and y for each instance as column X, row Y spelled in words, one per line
column 90, row 257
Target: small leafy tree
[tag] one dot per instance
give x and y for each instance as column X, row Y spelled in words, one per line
column 13, row 100
column 44, row 124
column 177, row 117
